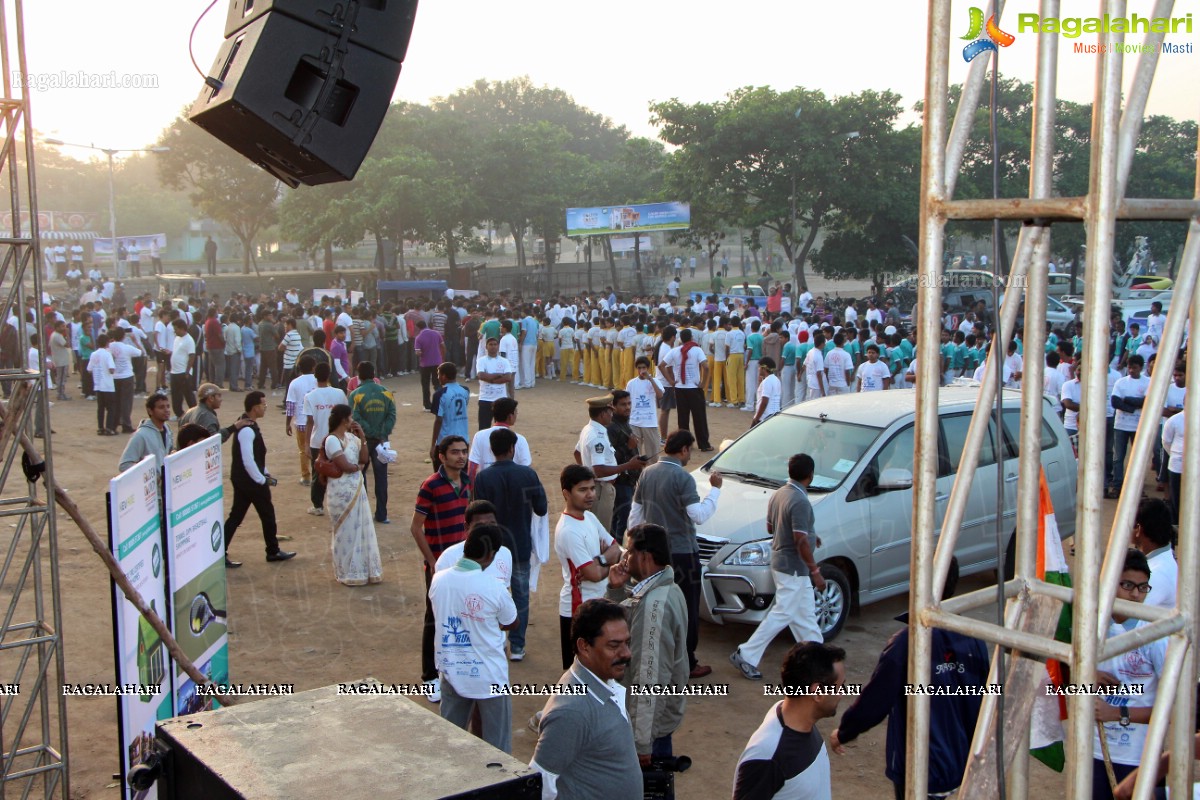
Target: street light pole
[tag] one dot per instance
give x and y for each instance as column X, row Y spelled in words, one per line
column 112, row 192
column 112, row 213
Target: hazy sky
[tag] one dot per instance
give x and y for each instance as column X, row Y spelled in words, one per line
column 612, row 61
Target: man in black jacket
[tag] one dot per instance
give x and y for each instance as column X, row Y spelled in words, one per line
column 252, row 483
column 518, row 494
column 958, row 661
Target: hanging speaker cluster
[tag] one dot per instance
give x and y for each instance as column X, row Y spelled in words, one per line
column 300, row 87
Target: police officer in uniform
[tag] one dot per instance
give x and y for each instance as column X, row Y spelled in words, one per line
column 595, row 451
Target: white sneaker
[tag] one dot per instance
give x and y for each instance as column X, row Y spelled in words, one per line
column 714, row 405
column 317, row 512
column 731, row 405
column 434, row 688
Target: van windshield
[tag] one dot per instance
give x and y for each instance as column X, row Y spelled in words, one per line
column 764, row 452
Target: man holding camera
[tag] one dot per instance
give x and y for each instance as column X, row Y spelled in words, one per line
column 252, row 483
column 644, row 583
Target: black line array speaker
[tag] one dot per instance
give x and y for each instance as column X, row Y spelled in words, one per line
column 300, row 87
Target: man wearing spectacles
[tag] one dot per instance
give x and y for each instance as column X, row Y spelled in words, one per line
column 1125, row 715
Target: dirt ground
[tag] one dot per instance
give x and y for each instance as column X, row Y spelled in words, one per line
column 292, row 623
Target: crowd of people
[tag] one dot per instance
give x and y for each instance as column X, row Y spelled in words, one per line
column 626, row 544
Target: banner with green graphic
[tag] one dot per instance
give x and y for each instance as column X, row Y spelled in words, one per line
column 196, row 566
column 135, row 538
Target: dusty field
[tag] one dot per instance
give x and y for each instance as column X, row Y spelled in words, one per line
column 292, row 623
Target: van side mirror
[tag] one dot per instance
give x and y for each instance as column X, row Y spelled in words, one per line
column 894, row 478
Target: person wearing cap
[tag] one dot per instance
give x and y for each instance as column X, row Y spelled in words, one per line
column 204, row 413
column 595, row 451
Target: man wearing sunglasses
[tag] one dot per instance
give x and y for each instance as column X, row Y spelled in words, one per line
column 1134, row 675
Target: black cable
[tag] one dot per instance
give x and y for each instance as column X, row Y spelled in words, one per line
column 213, row 82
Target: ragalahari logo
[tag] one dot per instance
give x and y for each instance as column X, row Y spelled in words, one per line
column 983, row 44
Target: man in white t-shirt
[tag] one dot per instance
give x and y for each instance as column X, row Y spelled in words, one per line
column 1153, row 534
column 805, row 301
column 504, row 415
column 584, row 548
column 318, row 404
column 645, row 392
column 1156, row 321
column 1069, row 397
column 1125, row 717
column 839, row 366
column 472, row 612
column 814, row 368
column 1052, row 382
column 102, row 367
column 769, row 394
column 1128, row 396
column 873, row 375
column 495, row 373
column 183, row 358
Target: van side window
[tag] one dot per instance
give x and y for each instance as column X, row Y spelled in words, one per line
column 954, row 430
column 1012, row 432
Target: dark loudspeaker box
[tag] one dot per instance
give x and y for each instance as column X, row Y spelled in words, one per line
column 303, row 102
column 380, row 25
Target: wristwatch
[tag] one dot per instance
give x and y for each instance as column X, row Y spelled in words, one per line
column 600, row 560
column 1124, row 709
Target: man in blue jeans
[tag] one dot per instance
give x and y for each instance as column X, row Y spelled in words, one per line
column 1128, row 395
column 517, row 493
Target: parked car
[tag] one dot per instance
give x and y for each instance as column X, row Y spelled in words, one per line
column 1057, row 314
column 862, row 497
column 961, row 289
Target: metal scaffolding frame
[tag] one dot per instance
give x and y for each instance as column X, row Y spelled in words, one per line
column 33, row 721
column 1098, row 560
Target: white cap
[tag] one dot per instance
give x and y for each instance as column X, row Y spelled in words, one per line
column 890, row 330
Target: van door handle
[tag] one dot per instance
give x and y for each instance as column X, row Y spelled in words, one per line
column 1010, row 478
column 939, row 498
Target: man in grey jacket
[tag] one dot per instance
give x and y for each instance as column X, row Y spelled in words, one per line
column 585, row 748
column 204, row 413
column 152, row 437
column 658, row 625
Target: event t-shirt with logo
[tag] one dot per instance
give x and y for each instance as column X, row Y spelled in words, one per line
column 500, row 568
column 318, row 404
column 1140, row 667
column 871, row 376
column 468, row 609
column 837, row 364
column 578, row 541
column 645, row 403
column 490, row 392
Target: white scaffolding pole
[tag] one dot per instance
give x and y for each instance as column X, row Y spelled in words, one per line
column 1114, row 137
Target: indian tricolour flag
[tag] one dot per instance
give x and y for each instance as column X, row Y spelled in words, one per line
column 1046, row 727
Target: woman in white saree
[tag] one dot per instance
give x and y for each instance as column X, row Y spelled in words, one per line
column 356, row 559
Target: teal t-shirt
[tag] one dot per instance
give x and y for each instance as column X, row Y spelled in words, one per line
column 490, row 329
column 789, row 354
column 948, row 350
column 1051, row 343
column 855, row 351
column 802, row 351
column 754, row 346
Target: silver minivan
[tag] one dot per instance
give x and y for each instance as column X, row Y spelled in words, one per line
column 862, row 496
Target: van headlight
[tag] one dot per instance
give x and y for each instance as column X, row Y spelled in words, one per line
column 751, row 554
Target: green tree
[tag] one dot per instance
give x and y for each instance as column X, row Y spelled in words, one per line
column 221, row 184
column 315, row 217
column 779, row 154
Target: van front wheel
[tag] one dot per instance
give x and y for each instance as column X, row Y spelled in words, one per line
column 832, row 602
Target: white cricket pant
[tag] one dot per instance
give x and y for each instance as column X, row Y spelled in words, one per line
column 787, row 394
column 751, row 382
column 795, row 607
column 528, row 354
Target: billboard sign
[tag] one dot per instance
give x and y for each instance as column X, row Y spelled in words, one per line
column 628, row 219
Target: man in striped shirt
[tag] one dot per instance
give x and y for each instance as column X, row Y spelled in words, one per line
column 290, row 346
column 439, row 521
